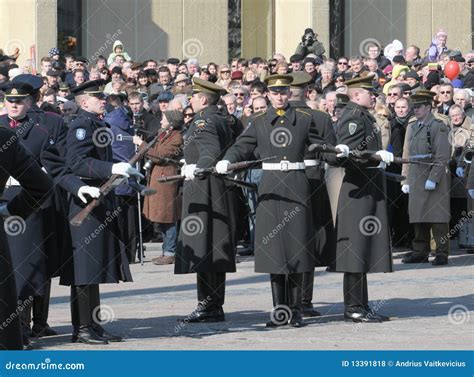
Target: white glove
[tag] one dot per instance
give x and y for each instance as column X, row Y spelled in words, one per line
column 187, row 171
column 471, row 193
column 430, row 185
column 93, row 192
column 126, row 170
column 221, row 167
column 460, row 172
column 406, row 189
column 387, row 157
column 4, row 210
column 343, row 150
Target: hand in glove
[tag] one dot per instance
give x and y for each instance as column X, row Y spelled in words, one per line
column 126, row 170
column 430, row 185
column 93, row 192
column 386, row 156
column 187, row 171
column 221, row 167
column 460, row 172
column 343, row 150
column 406, row 189
column 4, row 210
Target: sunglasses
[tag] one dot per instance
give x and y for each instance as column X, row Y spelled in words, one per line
column 447, row 92
column 393, row 94
column 188, row 115
column 225, row 71
column 239, row 94
column 342, row 63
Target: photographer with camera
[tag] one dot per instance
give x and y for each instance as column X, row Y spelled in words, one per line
column 309, row 44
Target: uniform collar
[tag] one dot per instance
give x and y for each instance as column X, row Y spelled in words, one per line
column 290, row 114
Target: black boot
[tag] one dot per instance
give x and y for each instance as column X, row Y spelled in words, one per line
column 365, row 298
column 208, row 309
column 355, row 308
column 82, row 317
column 40, row 314
column 25, row 320
column 415, row 257
column 94, row 295
column 295, row 283
column 307, row 296
column 281, row 312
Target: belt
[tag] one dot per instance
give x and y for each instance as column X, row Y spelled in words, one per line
column 283, row 166
column 312, row 163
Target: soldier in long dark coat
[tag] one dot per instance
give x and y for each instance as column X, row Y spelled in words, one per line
column 284, row 238
column 98, row 256
column 206, row 239
column 324, row 232
column 363, row 239
column 16, row 162
column 427, row 186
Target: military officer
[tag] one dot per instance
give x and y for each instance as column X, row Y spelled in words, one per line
column 363, row 239
column 427, row 186
column 33, row 248
column 206, row 240
column 97, row 255
column 284, row 244
column 36, row 186
column 324, row 233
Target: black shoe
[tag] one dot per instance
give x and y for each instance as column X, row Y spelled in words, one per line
column 39, row 331
column 382, row 318
column 297, row 318
column 360, row 316
column 99, row 330
column 309, row 311
column 205, row 316
column 415, row 258
column 26, row 342
column 440, row 261
column 85, row 334
column 280, row 316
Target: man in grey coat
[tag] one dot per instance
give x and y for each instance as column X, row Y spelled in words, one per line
column 427, row 185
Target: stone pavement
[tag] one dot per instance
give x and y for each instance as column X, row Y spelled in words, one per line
column 432, row 308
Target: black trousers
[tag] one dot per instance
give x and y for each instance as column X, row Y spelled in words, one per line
column 356, row 294
column 211, row 290
column 421, row 242
column 307, row 288
column 41, row 306
column 287, row 289
column 85, row 305
column 128, row 225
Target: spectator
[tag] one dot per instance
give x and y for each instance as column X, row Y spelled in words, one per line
column 445, row 96
column 437, row 46
column 295, row 61
column 357, row 67
column 230, row 102
column 164, row 82
column 192, row 66
column 164, row 209
column 118, row 49
column 309, row 44
column 224, row 76
column 462, row 97
column 46, row 65
column 117, row 78
column 375, row 53
column 412, row 53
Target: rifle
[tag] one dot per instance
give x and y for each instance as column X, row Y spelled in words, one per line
column 420, row 159
column 112, row 182
column 235, row 167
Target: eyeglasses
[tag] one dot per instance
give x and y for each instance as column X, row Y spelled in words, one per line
column 239, row 94
column 447, row 92
column 393, row 94
column 188, row 115
column 342, row 63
